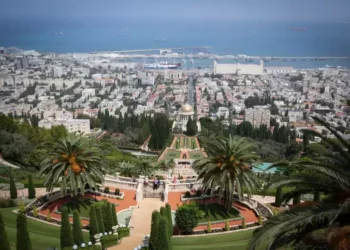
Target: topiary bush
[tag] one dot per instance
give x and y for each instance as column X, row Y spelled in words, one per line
column 13, row 189
column 260, row 222
column 187, row 217
column 4, row 243
column 35, row 211
column 106, row 190
column 93, row 226
column 23, row 240
column 66, row 230
column 187, row 194
column 154, row 227
column 78, row 237
column 109, row 241
column 198, row 193
column 31, row 189
column 117, row 191
column 123, row 232
column 209, row 227
column 243, row 225
column 227, row 225
column 48, row 216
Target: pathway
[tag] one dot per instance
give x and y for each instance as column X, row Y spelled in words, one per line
column 141, row 223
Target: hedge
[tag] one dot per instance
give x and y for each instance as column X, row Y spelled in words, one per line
column 93, row 247
column 4, row 203
column 109, row 241
column 123, row 232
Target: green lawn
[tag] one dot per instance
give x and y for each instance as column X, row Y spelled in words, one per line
column 196, row 155
column 171, row 155
column 42, row 235
column 235, row 240
column 216, row 212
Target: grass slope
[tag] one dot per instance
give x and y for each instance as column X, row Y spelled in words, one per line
column 237, row 241
column 216, row 212
column 42, row 235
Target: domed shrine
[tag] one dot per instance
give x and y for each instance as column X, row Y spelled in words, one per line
column 180, row 123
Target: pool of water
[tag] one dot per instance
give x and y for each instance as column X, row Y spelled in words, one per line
column 261, row 167
column 124, row 217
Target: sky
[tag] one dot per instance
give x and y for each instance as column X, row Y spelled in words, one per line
column 315, row 10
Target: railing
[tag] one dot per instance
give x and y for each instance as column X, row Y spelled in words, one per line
column 185, row 186
column 119, row 184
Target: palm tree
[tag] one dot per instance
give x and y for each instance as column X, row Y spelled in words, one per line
column 325, row 223
column 228, row 166
column 72, row 162
column 145, row 168
column 127, row 169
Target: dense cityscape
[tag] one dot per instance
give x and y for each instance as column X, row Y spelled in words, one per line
column 169, row 125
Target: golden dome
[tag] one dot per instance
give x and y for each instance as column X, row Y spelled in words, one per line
column 186, row 108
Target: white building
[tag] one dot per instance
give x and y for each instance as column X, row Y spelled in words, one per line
column 57, row 72
column 182, row 118
column 88, row 92
column 223, row 112
column 258, row 115
column 72, row 125
column 239, row 69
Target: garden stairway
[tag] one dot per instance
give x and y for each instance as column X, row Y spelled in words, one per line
column 140, row 224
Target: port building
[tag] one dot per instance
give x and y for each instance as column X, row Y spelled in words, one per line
column 239, row 69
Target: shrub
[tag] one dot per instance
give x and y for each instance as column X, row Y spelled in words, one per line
column 209, row 227
column 21, row 207
column 93, row 226
column 169, row 217
column 208, row 192
column 114, row 215
column 123, row 232
column 163, row 239
column 4, row 203
column 66, row 230
column 198, row 193
column 187, row 194
column 23, row 240
column 109, row 216
column 163, row 212
column 31, row 189
column 106, row 190
column 99, row 216
column 13, row 189
column 260, row 219
column 243, row 225
column 117, row 191
column 4, row 243
column 35, row 211
column 227, row 225
column 48, row 216
column 109, row 241
column 278, row 198
column 187, row 217
column 78, row 237
column 154, row 228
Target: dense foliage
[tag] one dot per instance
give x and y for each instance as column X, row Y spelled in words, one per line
column 4, row 243
column 66, row 230
column 78, row 237
column 93, row 225
column 187, row 217
column 31, row 188
column 23, row 240
column 323, row 224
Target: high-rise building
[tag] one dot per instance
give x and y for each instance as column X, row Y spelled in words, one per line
column 24, row 63
column 18, row 65
column 258, row 115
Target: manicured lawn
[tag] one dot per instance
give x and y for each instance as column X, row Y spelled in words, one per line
column 215, row 212
column 83, row 207
column 42, row 235
column 196, row 155
column 235, row 240
column 172, row 155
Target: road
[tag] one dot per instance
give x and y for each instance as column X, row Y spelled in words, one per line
column 190, row 90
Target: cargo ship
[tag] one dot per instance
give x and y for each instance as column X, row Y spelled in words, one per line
column 162, row 65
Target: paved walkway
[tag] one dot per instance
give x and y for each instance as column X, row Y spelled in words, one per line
column 141, row 223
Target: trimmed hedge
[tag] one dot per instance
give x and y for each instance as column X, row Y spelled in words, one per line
column 93, row 247
column 109, row 241
column 4, row 203
column 123, row 232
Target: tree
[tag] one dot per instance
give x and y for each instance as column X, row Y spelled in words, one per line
column 325, row 223
column 127, row 169
column 23, row 240
column 187, row 217
column 243, row 225
column 169, row 217
column 4, row 243
column 209, row 227
column 66, row 230
column 99, row 216
column 77, row 231
column 154, row 228
column 163, row 212
column 227, row 225
column 31, row 189
column 114, row 215
column 228, row 165
column 278, row 198
column 274, row 110
column 72, row 162
column 163, row 240
column 13, row 189
column 108, row 219
column 93, row 225
column 191, row 127
column 145, row 168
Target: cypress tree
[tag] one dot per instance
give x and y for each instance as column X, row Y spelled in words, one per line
column 278, row 198
column 93, row 224
column 170, row 220
column 209, row 227
column 114, row 215
column 317, row 196
column 77, row 231
column 154, row 228
column 227, row 225
column 163, row 240
column 163, row 212
column 296, row 199
column 66, row 230
column 109, row 217
column 31, row 189
column 99, row 216
column 4, row 243
column 13, row 189
column 23, row 240
column 243, row 225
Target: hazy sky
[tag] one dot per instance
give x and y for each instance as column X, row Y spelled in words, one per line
column 320, row 10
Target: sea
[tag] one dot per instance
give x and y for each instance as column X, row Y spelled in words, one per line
column 224, row 37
